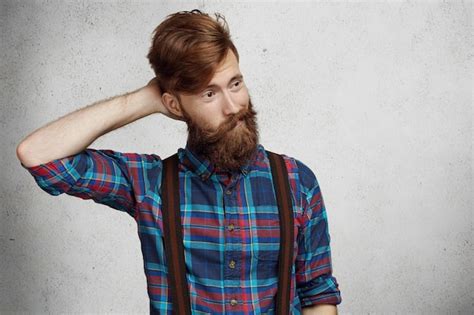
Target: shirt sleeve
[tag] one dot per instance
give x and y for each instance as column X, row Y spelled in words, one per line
column 315, row 283
column 107, row 177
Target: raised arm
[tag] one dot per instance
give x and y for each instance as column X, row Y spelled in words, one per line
column 74, row 132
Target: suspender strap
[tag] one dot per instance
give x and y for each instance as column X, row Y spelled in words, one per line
column 173, row 237
column 285, row 207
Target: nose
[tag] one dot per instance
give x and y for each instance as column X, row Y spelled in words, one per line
column 231, row 106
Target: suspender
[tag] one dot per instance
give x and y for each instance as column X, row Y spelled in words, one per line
column 173, row 235
column 285, row 209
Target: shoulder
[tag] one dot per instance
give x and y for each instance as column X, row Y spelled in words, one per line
column 132, row 163
column 303, row 180
column 301, row 171
column 307, row 176
column 143, row 170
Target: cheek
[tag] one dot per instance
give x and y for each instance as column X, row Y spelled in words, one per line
column 209, row 121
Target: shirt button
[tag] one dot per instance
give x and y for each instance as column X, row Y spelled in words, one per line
column 232, row 264
column 228, row 192
column 233, row 302
column 231, row 227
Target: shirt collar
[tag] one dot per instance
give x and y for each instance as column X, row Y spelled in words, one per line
column 203, row 168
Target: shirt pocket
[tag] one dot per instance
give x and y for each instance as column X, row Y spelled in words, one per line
column 268, row 249
column 269, row 241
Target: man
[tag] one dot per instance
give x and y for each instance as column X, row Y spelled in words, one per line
column 228, row 205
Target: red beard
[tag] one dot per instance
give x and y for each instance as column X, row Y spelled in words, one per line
column 230, row 146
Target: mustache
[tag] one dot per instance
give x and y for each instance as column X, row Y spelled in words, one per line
column 246, row 115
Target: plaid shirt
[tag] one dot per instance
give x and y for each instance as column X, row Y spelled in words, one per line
column 231, row 229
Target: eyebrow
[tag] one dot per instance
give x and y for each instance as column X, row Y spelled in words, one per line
column 235, row 77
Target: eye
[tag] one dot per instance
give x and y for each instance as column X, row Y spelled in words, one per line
column 208, row 94
column 237, row 84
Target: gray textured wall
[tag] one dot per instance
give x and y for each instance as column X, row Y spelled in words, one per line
column 375, row 97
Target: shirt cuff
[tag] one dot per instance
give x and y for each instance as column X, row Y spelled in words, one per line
column 320, row 291
column 57, row 176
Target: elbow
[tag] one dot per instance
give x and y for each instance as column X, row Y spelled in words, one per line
column 20, row 151
column 25, row 157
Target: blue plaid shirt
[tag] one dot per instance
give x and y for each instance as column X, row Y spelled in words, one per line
column 230, row 221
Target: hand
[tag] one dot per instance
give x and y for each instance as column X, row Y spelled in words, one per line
column 154, row 92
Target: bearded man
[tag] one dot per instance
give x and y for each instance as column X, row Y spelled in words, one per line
column 228, row 205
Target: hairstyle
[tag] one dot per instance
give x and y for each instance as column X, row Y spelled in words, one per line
column 187, row 48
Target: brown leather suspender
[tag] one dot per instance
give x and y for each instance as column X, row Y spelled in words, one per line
column 285, row 209
column 173, row 235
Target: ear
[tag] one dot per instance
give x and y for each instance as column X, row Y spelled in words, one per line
column 172, row 104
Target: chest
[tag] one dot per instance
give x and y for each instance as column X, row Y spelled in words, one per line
column 223, row 213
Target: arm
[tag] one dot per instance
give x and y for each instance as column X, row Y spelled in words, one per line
column 74, row 132
column 322, row 309
column 108, row 177
column 315, row 282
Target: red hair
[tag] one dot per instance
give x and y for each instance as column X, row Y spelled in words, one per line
column 187, row 48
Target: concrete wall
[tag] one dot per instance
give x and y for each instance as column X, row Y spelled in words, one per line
column 375, row 97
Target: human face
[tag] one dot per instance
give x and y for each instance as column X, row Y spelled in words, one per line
column 226, row 95
column 221, row 120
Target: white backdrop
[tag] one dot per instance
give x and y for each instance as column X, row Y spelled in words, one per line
column 375, row 97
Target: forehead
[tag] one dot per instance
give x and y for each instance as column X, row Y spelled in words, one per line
column 228, row 68
column 226, row 72
column 230, row 60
